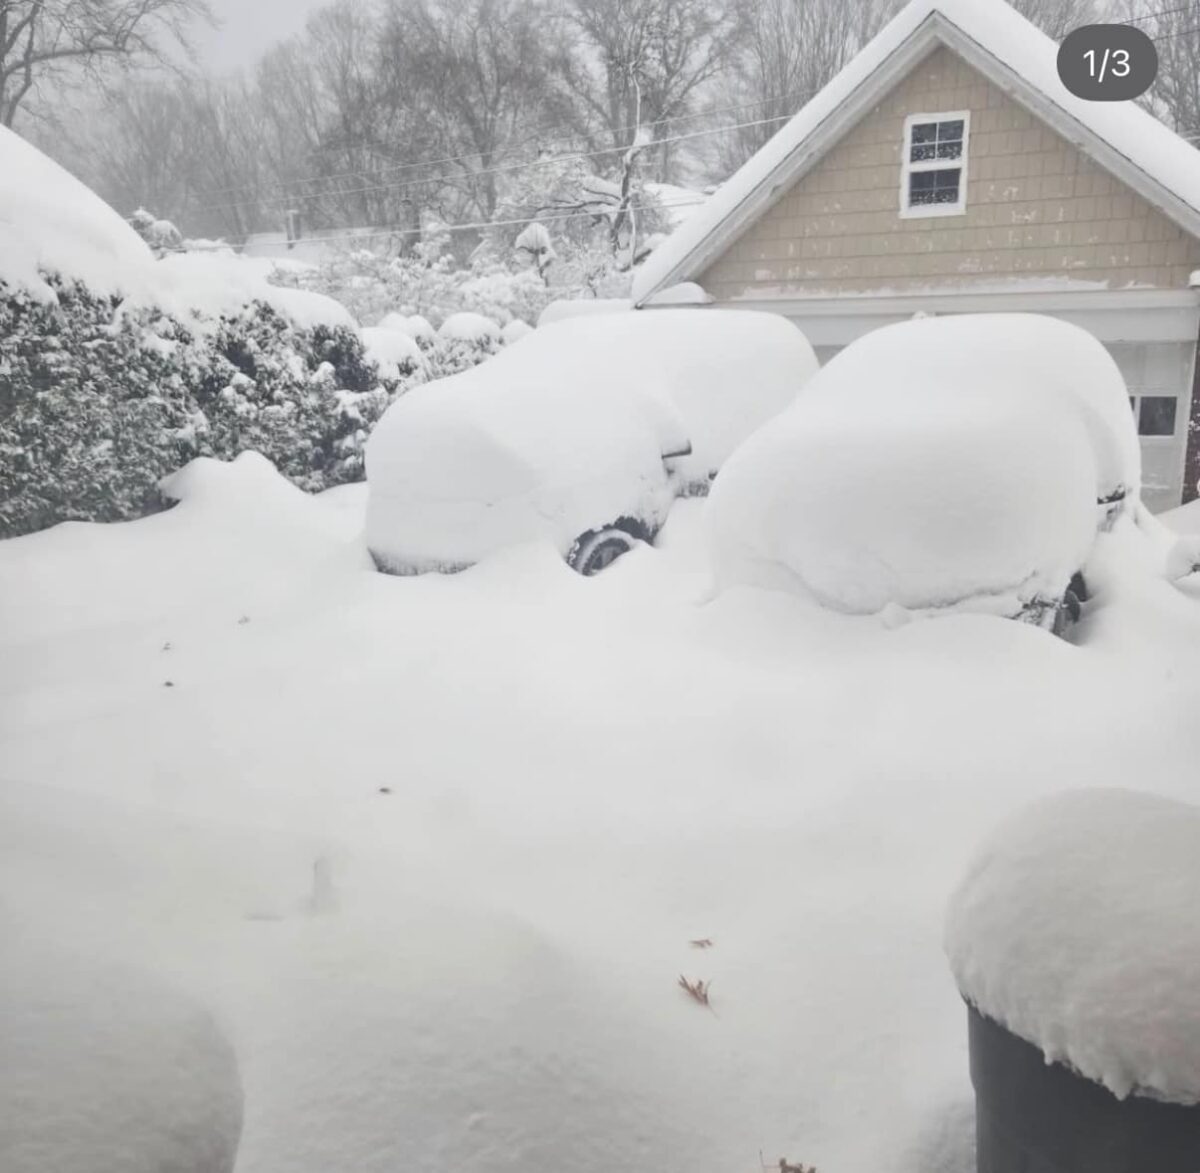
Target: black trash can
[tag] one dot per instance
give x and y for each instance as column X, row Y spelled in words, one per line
column 1037, row 1117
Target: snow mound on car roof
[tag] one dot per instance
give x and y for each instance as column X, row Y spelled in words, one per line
column 896, row 481
column 726, row 371
column 981, row 354
column 1076, row 928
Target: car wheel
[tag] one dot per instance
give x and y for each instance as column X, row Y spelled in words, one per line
column 598, row 549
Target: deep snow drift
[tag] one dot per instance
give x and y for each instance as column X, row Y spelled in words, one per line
column 431, row 851
column 1076, row 927
column 108, row 1070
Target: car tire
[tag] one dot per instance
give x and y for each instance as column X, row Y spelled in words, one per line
column 598, row 549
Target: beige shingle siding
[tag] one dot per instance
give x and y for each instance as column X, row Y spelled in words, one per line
column 1036, row 208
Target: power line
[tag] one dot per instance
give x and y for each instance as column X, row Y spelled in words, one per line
column 1179, row 33
column 398, row 230
column 286, row 201
column 417, row 164
column 1156, row 15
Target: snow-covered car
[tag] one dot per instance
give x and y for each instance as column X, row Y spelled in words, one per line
column 965, row 462
column 583, row 433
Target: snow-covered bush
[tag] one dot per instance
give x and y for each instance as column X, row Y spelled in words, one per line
column 464, row 341
column 161, row 235
column 99, row 402
column 90, row 418
column 117, row 367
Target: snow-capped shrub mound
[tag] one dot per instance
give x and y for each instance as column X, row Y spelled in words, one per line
column 514, row 331
column 899, row 492
column 200, row 289
column 51, row 223
column 979, row 354
column 396, row 355
column 463, row 341
column 414, row 325
column 1076, row 927
column 468, row 327
column 108, row 1070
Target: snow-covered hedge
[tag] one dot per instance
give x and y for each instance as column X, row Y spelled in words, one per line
column 98, row 401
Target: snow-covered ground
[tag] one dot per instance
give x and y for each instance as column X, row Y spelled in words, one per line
column 430, row 851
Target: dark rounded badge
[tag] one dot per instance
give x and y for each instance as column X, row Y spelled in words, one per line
column 1107, row 62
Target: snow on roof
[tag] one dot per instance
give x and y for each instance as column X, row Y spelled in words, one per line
column 1001, row 43
column 1076, row 928
column 50, row 222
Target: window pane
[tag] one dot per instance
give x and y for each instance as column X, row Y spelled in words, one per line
column 950, row 130
column 949, row 150
column 925, row 132
column 1157, row 416
column 934, row 187
column 923, row 152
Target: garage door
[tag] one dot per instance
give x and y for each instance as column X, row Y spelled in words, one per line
column 1159, row 377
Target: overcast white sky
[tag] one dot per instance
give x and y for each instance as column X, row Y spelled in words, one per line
column 248, row 27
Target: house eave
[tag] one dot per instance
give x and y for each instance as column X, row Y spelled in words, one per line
column 934, row 31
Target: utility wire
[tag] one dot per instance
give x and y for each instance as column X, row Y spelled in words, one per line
column 408, row 230
column 421, row 163
column 535, row 164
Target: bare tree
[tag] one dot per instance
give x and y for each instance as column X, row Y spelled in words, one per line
column 636, row 63
column 1059, row 17
column 1175, row 28
column 51, row 40
column 790, row 49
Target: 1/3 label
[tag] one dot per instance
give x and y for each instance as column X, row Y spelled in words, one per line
column 1107, row 62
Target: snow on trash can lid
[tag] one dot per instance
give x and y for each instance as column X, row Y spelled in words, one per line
column 1077, row 927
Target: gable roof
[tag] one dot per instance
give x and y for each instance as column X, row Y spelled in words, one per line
column 1001, row 44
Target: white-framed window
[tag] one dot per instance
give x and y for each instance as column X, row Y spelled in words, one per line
column 933, row 178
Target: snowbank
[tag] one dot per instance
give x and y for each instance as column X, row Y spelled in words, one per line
column 916, row 471
column 108, row 1070
column 663, row 763
column 1076, row 928
column 393, row 351
column 52, row 223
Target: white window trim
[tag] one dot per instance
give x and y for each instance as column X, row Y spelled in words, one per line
column 920, row 211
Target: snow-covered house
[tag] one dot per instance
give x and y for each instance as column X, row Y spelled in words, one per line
column 947, row 169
